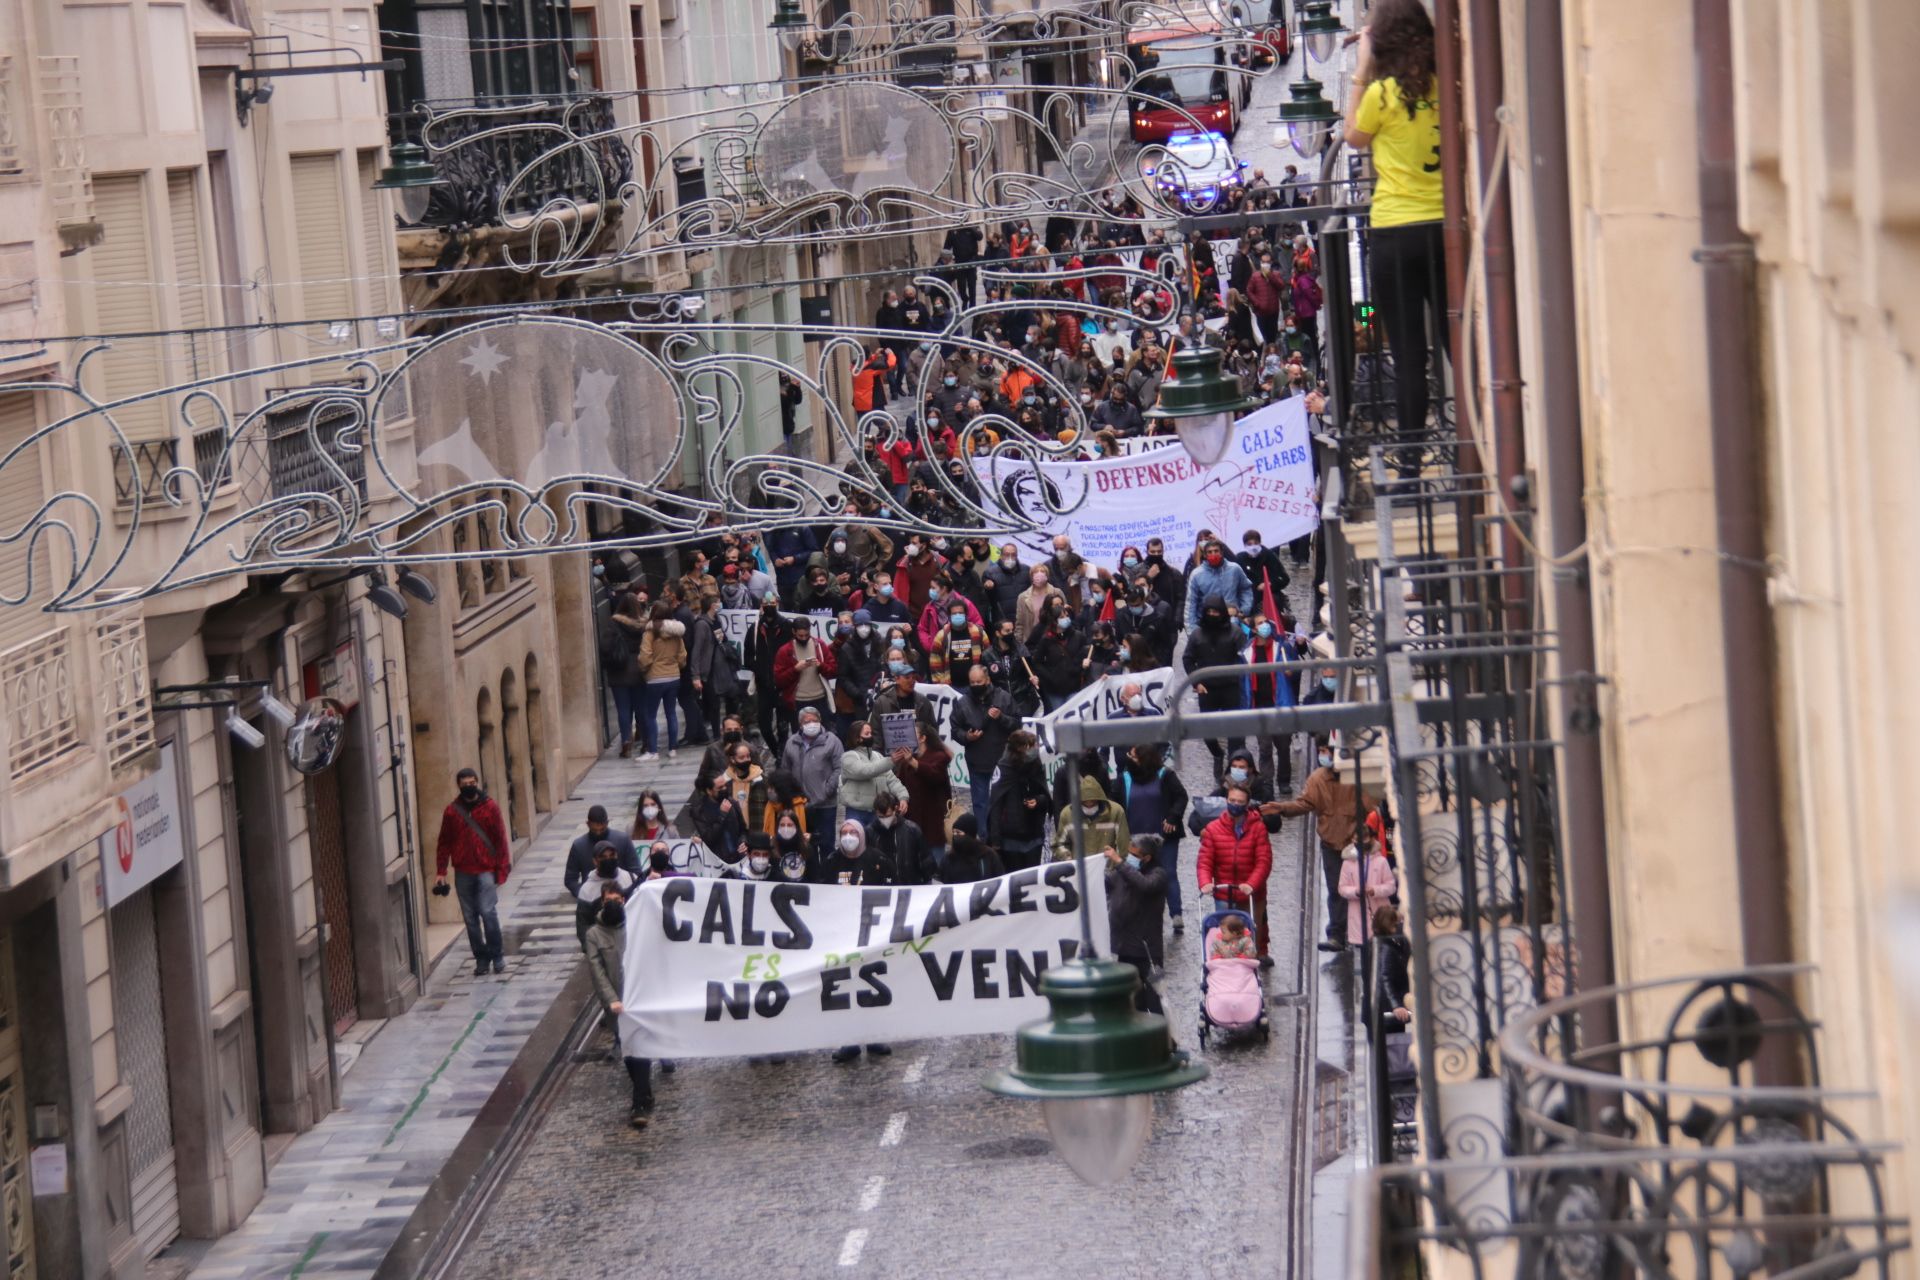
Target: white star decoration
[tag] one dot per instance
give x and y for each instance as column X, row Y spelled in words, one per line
column 484, row 360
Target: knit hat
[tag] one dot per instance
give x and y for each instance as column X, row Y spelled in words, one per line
column 861, row 615
column 598, row 813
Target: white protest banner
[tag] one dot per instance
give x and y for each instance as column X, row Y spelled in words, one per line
column 735, row 623
column 1103, row 700
column 1264, row 483
column 691, row 857
column 147, row 841
column 1145, row 444
column 720, row 968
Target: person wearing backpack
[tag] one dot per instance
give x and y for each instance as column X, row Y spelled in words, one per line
column 619, row 646
column 1156, row 801
column 714, row 671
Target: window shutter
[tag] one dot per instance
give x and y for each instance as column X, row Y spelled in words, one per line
column 22, row 490
column 321, row 227
column 376, row 233
column 125, row 302
column 189, row 270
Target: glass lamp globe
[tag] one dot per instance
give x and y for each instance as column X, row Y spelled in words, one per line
column 1206, row 437
column 1309, row 137
column 1100, row 1138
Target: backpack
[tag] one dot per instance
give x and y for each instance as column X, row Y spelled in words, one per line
column 1205, row 809
column 616, row 650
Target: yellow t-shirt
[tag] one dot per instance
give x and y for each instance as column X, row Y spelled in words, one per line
column 1406, row 154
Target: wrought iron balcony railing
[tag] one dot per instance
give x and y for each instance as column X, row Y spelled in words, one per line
column 1666, row 1156
column 69, row 180
column 39, row 688
column 504, row 160
column 125, row 699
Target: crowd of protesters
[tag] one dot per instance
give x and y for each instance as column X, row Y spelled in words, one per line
column 806, row 775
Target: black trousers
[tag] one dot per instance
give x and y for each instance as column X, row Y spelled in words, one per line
column 1145, row 998
column 1408, row 281
column 1336, row 905
column 640, row 1075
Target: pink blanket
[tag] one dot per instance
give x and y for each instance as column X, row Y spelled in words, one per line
column 1233, row 991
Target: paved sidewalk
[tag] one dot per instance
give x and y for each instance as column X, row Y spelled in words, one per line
column 342, row 1192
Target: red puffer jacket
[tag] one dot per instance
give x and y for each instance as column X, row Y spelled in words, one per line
column 1227, row 858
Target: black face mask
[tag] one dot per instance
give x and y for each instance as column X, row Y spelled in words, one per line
column 979, row 692
column 742, row 769
column 731, row 736
column 613, row 914
column 660, row 862
column 1214, row 621
column 470, row 794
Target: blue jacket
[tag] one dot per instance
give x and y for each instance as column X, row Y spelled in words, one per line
column 1229, row 582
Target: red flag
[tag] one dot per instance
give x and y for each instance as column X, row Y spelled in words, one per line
column 1267, row 605
column 1106, row 610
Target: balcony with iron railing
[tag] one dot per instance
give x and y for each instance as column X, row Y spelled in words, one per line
column 68, row 178
column 503, row 161
column 1668, row 1155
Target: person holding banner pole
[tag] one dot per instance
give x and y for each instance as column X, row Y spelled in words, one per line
column 1137, row 887
column 864, row 774
column 606, row 945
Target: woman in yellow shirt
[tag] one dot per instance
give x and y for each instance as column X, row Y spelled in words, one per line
column 1392, row 110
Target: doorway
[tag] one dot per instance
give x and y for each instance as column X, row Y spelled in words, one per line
column 141, row 1035
column 326, row 839
column 16, row 1199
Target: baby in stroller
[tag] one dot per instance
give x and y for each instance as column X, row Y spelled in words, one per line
column 1230, row 996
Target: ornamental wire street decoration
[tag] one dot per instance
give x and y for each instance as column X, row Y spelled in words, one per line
column 910, row 134
column 364, row 458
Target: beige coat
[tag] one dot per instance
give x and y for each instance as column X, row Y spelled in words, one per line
column 663, row 653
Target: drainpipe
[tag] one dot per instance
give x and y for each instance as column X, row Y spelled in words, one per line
column 1453, row 187
column 1739, row 485
column 1563, row 477
column 1503, row 328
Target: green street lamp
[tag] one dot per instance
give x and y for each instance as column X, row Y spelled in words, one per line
column 1094, row 1062
column 1308, row 117
column 1201, row 400
column 412, row 174
column 789, row 24
column 1320, row 29
column 1094, row 1065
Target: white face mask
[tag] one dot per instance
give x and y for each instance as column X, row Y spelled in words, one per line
column 840, row 548
column 1091, row 810
column 850, row 843
column 886, row 819
column 811, row 728
column 1136, row 702
column 788, row 831
column 759, row 865
column 650, row 811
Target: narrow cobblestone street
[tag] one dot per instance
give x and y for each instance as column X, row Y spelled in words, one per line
column 906, row 1166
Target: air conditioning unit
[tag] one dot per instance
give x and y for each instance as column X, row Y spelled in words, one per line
column 669, row 10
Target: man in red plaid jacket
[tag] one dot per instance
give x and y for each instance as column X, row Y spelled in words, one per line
column 473, row 838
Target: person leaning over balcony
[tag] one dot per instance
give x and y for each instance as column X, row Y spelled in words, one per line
column 1393, row 111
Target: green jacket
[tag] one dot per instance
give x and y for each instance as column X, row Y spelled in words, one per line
column 606, row 952
column 1105, row 830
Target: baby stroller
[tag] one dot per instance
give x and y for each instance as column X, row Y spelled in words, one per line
column 1231, row 1000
